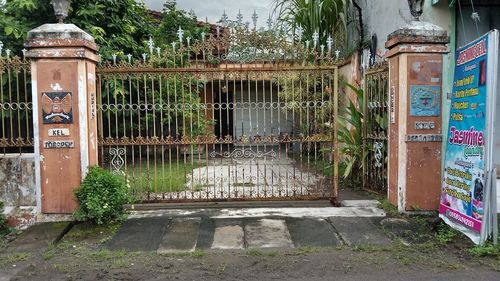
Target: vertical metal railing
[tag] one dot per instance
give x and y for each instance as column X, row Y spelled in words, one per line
column 238, row 115
column 16, row 107
column 235, row 134
column 375, row 125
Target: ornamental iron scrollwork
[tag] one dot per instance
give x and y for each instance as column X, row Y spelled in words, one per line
column 117, row 161
column 244, row 153
column 378, row 153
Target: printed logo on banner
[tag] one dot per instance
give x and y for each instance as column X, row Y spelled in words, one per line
column 57, row 108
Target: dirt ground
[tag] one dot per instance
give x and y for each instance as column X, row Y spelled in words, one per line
column 82, row 255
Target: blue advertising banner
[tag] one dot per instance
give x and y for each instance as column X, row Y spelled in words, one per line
column 465, row 187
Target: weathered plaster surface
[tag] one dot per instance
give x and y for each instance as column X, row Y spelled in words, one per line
column 59, row 31
column 382, row 17
column 17, row 188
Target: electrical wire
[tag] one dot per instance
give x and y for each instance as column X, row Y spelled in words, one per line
column 475, row 17
column 462, row 20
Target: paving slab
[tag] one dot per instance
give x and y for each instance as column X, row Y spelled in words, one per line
column 229, row 237
column 234, row 213
column 312, row 233
column 206, row 233
column 268, row 233
column 181, row 236
column 139, row 234
column 360, row 203
column 37, row 237
column 359, row 231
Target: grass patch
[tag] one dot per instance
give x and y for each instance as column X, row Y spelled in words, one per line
column 92, row 233
column 445, row 234
column 486, row 250
column 13, row 258
column 306, row 250
column 389, row 209
column 198, row 253
column 259, row 253
column 159, row 177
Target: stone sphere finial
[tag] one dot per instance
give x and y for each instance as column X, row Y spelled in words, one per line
column 61, row 8
column 416, row 8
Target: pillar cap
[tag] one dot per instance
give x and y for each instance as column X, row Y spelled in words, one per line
column 59, row 31
column 418, row 32
column 61, row 41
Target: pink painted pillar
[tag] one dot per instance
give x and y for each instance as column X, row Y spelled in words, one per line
column 415, row 95
column 64, row 112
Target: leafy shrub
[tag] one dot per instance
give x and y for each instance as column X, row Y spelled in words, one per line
column 4, row 229
column 486, row 250
column 350, row 135
column 445, row 234
column 101, row 195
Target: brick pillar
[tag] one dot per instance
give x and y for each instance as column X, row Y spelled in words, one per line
column 415, row 97
column 64, row 112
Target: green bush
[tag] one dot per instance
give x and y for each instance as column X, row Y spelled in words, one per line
column 101, row 195
column 4, row 229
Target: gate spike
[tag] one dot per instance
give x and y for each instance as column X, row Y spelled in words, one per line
column 254, row 19
column 329, row 43
column 151, row 45
column 180, row 34
column 300, row 32
column 224, row 18
column 239, row 18
column 269, row 23
column 315, row 38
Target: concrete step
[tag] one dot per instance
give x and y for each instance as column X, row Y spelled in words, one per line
column 181, row 236
column 142, row 234
column 312, row 233
column 359, row 231
column 228, row 234
column 268, row 233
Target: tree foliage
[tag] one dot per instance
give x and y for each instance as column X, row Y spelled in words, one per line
column 173, row 19
column 117, row 25
column 17, row 17
column 327, row 17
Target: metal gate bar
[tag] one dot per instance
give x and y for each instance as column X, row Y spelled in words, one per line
column 251, row 136
column 238, row 115
column 375, row 112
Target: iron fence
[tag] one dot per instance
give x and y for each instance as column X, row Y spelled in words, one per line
column 237, row 115
column 16, row 126
column 375, row 112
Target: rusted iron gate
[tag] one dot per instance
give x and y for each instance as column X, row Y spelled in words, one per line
column 225, row 118
column 375, row 114
column 16, row 107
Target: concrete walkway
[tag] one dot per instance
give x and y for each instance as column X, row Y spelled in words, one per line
column 173, row 230
column 253, row 173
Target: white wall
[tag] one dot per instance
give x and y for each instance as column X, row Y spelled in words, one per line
column 259, row 121
column 382, row 17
